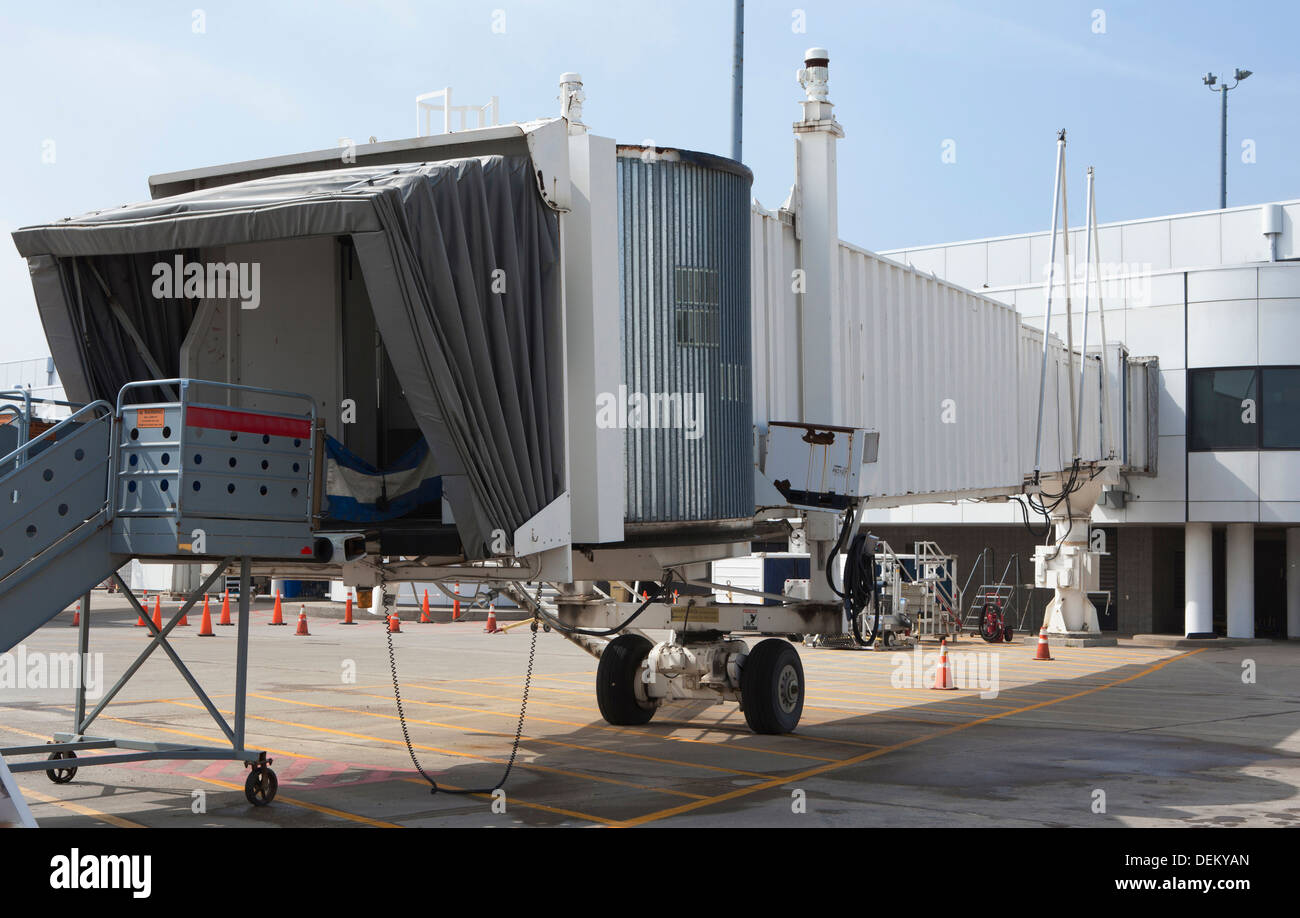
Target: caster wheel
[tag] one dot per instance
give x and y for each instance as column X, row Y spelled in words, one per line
column 1008, row 633
column 771, row 687
column 887, row 639
column 617, row 677
column 261, row 785
column 62, row 775
column 546, row 628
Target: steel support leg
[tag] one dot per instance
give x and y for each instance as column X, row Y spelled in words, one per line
column 83, row 662
column 241, row 655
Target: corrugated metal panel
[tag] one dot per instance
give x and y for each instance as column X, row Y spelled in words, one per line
column 950, row 378
column 684, row 271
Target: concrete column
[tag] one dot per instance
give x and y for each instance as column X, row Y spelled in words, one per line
column 1293, row 583
column 1198, row 580
column 1241, row 580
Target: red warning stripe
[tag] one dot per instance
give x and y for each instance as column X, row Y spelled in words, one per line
column 247, row 422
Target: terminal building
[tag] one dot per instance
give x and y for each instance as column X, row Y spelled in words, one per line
column 1211, row 541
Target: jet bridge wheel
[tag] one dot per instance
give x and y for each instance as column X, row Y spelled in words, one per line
column 62, row 775
column 771, row 687
column 617, row 675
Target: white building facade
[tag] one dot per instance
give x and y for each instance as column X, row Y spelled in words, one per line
column 1211, row 542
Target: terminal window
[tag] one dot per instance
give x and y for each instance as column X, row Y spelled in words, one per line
column 1243, row 408
column 1280, row 407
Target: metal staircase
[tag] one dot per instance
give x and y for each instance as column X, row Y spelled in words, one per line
column 183, row 481
column 1002, row 597
column 55, row 525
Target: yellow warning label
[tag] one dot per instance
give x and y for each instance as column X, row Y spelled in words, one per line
column 703, row 615
column 150, row 417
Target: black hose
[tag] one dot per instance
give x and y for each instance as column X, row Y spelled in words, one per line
column 860, row 587
column 859, row 578
column 661, row 591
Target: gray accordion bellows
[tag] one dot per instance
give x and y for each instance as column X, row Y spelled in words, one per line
column 684, row 279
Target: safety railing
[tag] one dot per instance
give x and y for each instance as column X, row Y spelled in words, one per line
column 23, row 418
column 185, row 456
column 45, row 500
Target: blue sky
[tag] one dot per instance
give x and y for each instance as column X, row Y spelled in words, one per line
column 129, row 89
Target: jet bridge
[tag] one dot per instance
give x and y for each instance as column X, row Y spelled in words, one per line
column 462, row 297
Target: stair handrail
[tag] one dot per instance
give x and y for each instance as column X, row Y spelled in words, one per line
column 184, row 382
column 21, row 451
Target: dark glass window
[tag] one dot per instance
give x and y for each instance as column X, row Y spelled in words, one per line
column 1223, row 409
column 1280, row 418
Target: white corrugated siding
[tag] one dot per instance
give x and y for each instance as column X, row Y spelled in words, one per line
column 949, row 378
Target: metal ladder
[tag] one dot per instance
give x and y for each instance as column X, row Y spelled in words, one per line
column 179, row 480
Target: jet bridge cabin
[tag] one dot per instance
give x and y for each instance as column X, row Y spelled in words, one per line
column 414, row 297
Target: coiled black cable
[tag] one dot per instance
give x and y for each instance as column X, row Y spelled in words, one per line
column 859, row 578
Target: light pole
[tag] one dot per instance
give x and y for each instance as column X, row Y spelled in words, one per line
column 1222, row 89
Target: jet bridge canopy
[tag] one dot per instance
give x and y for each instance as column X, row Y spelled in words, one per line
column 461, row 267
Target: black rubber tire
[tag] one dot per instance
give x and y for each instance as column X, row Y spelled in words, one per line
column 62, row 775
column 771, row 687
column 261, row 785
column 1008, row 633
column 616, row 678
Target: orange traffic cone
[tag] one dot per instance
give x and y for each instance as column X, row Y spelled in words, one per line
column 347, row 612
column 1044, row 652
column 139, row 619
column 185, row 619
column 277, row 617
column 394, row 624
column 76, row 616
column 157, row 613
column 302, row 621
column 491, row 627
column 205, row 626
column 225, row 610
column 424, row 610
column 943, row 678
column 455, row 604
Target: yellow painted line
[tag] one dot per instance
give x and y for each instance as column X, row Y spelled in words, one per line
column 601, row 779
column 909, row 697
column 528, row 736
column 221, row 740
column 601, row 820
column 296, row 755
column 731, row 712
column 622, row 731
column 581, row 672
column 81, row 809
column 823, row 769
column 43, row 737
column 537, row 686
column 294, row 801
column 880, row 714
